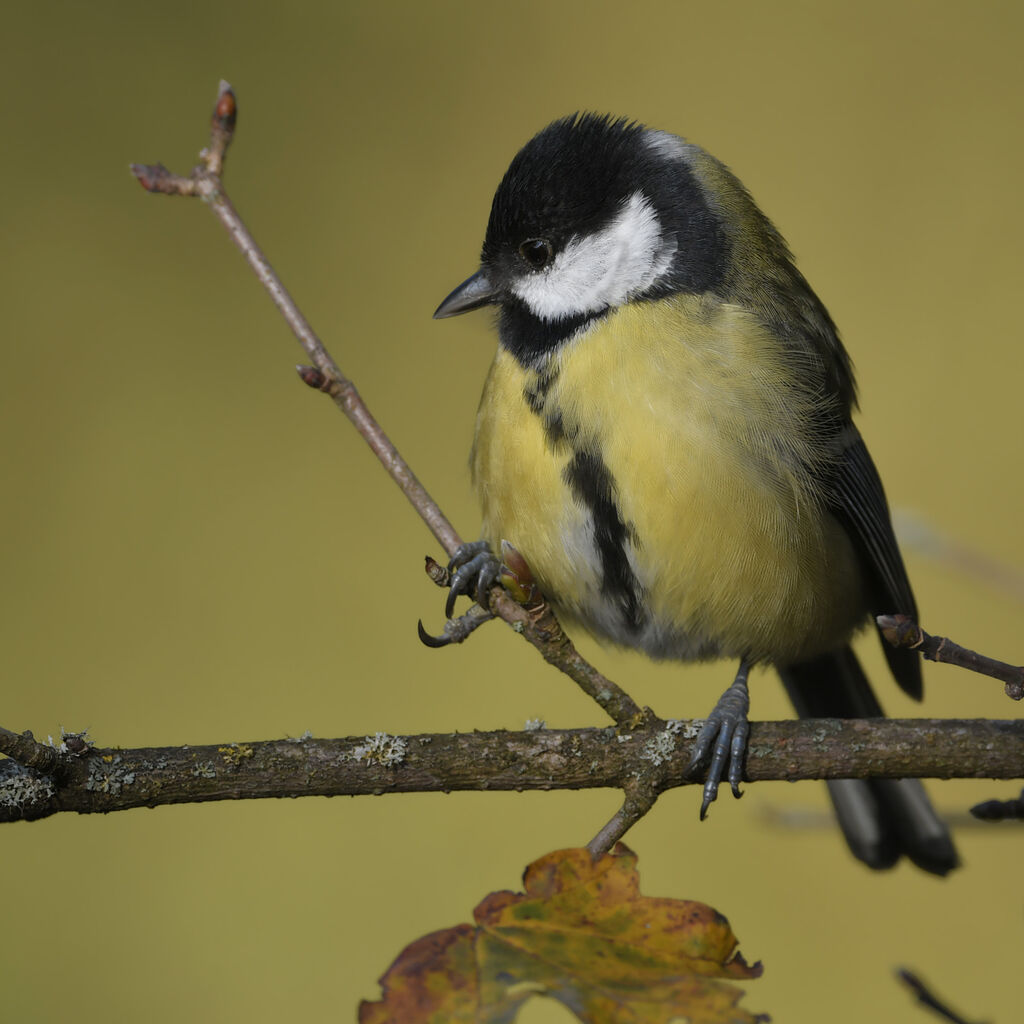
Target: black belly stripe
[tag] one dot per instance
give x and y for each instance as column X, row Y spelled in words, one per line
column 536, row 395
column 593, row 485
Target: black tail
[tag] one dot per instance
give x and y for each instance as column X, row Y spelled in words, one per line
column 882, row 819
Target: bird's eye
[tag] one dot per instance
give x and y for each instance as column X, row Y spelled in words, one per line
column 537, row 252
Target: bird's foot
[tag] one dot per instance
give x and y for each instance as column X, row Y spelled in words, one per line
column 474, row 570
column 723, row 737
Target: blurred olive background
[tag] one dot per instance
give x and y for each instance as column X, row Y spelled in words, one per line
column 198, row 549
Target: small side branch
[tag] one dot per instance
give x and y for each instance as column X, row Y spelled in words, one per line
column 902, row 631
column 639, row 800
column 1000, row 810
column 23, row 748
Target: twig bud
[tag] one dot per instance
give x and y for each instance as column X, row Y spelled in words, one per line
column 226, row 110
column 156, row 178
column 312, row 377
column 438, row 573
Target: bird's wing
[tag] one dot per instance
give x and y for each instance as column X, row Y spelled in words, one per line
column 858, row 502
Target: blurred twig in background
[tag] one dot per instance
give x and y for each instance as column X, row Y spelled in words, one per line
column 916, row 534
column 927, row 998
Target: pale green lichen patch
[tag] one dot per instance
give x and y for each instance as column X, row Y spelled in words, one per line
column 381, row 749
column 22, row 788
column 107, row 775
column 662, row 745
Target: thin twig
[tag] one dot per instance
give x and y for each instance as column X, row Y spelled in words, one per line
column 205, row 182
column 927, row 998
column 116, row 779
column 903, row 631
column 543, row 631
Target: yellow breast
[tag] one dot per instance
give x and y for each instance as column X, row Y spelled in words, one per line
column 700, row 421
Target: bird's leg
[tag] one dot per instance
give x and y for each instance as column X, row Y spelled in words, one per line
column 474, row 568
column 724, row 737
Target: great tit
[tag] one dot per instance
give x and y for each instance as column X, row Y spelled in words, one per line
column 665, row 435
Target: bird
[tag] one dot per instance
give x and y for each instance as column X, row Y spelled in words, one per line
column 666, row 436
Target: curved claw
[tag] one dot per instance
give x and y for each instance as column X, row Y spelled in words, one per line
column 724, row 737
column 488, row 575
column 456, row 630
column 449, row 604
column 428, row 639
column 461, row 583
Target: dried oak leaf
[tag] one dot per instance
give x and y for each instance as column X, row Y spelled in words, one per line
column 581, row 934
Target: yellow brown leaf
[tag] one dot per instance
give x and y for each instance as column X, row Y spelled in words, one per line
column 583, row 934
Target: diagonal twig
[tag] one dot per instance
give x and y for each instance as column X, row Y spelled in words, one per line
column 544, row 632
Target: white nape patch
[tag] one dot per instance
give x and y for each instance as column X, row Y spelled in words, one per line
column 602, row 270
column 667, row 145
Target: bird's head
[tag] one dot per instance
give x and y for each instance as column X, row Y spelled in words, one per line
column 591, row 214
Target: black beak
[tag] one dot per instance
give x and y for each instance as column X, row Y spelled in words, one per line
column 471, row 294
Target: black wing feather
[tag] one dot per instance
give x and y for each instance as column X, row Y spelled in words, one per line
column 858, row 501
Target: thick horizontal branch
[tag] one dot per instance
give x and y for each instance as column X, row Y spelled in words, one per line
column 110, row 780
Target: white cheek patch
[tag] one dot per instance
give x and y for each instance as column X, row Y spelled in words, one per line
column 602, row 270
